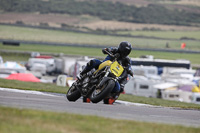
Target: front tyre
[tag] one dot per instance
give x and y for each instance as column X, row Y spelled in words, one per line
column 73, row 94
column 100, row 93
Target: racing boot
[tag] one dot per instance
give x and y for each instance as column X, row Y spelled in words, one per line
column 82, row 74
column 86, row 69
column 86, row 100
column 111, row 99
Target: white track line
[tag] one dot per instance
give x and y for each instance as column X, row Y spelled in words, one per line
column 49, row 94
column 132, row 104
column 26, row 91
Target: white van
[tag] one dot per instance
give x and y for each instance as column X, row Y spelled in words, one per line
column 49, row 63
column 141, row 86
column 150, row 72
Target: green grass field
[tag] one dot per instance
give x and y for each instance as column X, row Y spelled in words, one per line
column 15, row 57
column 165, row 34
column 31, row 34
column 94, row 52
column 34, row 121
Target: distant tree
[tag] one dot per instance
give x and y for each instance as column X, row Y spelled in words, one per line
column 19, row 22
column 44, row 24
column 105, row 10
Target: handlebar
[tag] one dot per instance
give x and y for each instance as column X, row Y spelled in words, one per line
column 112, row 55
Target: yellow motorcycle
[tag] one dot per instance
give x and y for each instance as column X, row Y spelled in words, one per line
column 98, row 84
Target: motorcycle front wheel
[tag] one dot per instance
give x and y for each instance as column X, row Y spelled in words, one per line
column 100, row 93
column 73, row 94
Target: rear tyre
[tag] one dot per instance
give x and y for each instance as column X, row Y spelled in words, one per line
column 101, row 93
column 73, row 94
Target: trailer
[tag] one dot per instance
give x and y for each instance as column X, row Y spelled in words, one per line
column 48, row 63
column 150, row 72
column 141, row 86
column 195, row 98
column 161, row 63
column 177, row 95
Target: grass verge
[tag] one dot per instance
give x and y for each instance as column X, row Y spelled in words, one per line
column 44, row 87
column 14, row 56
column 159, row 102
column 56, row 89
column 32, row 121
column 194, row 58
column 165, row 34
column 31, row 34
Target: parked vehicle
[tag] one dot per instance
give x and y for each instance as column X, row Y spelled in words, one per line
column 196, row 98
column 151, row 72
column 12, row 66
column 141, row 86
column 177, row 95
column 49, row 63
column 38, row 67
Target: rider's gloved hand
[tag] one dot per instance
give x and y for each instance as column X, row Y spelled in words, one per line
column 117, row 55
column 104, row 50
column 130, row 72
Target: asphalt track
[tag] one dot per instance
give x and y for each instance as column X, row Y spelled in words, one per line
column 120, row 110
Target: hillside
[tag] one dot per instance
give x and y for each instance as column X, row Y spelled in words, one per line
column 185, row 3
column 154, row 12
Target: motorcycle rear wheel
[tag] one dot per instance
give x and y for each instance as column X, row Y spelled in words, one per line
column 73, row 94
column 100, row 94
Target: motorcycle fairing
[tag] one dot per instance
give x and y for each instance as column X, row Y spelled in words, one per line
column 116, row 69
column 105, row 63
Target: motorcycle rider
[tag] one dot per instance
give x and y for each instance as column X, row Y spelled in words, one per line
column 122, row 52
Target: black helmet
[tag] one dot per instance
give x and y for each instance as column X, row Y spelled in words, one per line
column 124, row 49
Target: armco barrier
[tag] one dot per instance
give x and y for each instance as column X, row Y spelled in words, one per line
column 12, row 43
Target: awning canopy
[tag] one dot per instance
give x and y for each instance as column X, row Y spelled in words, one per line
column 27, row 77
column 165, row 85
